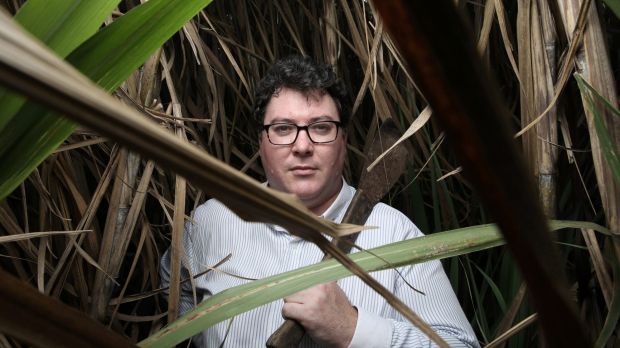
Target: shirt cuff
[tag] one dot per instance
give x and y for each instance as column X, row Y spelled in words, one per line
column 371, row 331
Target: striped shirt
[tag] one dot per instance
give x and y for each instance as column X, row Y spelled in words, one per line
column 260, row 250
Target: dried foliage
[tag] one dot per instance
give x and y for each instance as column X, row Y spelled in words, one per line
column 200, row 85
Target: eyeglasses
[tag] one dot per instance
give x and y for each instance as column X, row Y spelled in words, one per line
column 286, row 133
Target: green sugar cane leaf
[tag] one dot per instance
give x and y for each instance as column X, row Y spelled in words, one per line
column 108, row 58
column 242, row 298
column 35, row 134
column 120, row 48
column 11, row 103
column 614, row 312
column 62, row 25
column 555, row 225
column 239, row 299
column 499, row 297
column 607, row 145
column 585, row 85
column 614, row 6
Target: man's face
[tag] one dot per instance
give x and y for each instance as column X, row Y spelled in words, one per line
column 310, row 171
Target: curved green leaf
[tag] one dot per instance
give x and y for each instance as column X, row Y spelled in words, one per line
column 611, row 322
column 107, row 58
column 614, row 5
column 607, row 145
column 62, row 25
column 234, row 301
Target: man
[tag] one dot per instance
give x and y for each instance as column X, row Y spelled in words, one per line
column 303, row 111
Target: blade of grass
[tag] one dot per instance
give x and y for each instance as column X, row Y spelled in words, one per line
column 108, row 58
column 448, row 67
column 233, row 301
column 607, row 146
column 599, row 265
column 511, row 313
column 512, row 331
column 503, row 26
column 567, row 65
column 614, row 312
column 614, row 5
column 178, row 223
column 245, row 297
column 29, row 235
column 45, row 322
column 487, row 22
column 118, row 248
column 69, row 253
column 62, row 25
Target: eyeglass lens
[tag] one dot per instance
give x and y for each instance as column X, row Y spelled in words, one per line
column 287, row 133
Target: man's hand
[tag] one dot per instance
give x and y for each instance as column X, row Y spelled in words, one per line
column 325, row 312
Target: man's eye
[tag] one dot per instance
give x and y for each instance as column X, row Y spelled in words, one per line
column 283, row 128
column 322, row 127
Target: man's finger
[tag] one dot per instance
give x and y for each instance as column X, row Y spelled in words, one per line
column 294, row 298
column 302, row 296
column 292, row 310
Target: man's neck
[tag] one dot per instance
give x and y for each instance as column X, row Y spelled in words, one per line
column 321, row 208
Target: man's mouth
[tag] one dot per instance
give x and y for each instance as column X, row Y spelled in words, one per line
column 303, row 170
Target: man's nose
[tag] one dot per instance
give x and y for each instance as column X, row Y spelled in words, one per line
column 303, row 144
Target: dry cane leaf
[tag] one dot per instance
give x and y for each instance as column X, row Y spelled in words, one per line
column 29, row 68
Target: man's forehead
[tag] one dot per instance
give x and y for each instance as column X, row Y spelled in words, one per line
column 289, row 103
column 312, row 95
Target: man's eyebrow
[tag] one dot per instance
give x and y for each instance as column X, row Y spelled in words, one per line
column 282, row 120
column 311, row 120
column 322, row 118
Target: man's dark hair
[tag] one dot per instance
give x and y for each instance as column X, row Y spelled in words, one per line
column 304, row 75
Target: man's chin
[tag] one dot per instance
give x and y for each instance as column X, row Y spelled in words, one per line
column 305, row 193
column 306, row 196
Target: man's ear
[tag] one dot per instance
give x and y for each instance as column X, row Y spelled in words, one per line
column 344, row 147
column 260, row 144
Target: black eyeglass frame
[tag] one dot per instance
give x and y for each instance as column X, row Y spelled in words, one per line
column 306, row 128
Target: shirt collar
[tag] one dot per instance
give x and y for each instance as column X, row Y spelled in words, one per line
column 335, row 212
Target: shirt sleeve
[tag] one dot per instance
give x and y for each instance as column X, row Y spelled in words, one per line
column 423, row 287
column 371, row 331
column 437, row 306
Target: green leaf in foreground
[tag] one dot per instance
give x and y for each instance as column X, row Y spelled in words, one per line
column 614, row 6
column 107, row 58
column 62, row 25
column 614, row 312
column 234, row 301
column 607, row 145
